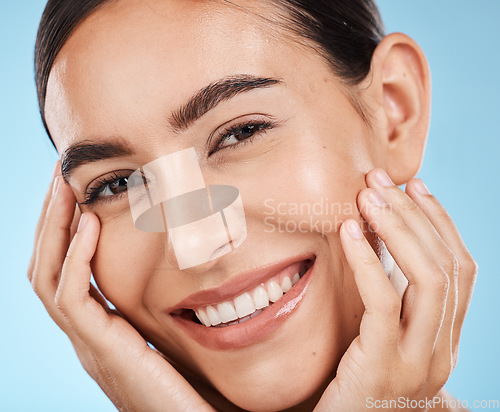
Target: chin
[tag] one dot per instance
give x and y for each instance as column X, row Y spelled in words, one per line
column 280, row 358
column 283, row 387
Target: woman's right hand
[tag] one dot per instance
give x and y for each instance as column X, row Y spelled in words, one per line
column 133, row 376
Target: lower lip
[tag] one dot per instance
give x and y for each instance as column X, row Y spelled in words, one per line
column 253, row 330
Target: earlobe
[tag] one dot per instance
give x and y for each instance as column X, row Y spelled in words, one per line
column 401, row 90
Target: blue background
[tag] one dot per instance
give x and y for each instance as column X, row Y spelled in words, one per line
column 39, row 370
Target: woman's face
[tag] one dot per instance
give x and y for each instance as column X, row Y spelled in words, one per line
column 299, row 164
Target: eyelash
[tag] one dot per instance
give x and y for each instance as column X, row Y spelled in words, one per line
column 260, row 125
column 100, row 184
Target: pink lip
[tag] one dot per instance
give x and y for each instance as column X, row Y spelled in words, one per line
column 237, row 285
column 253, row 330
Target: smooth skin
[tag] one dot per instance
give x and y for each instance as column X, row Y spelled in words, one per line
column 390, row 348
column 399, row 349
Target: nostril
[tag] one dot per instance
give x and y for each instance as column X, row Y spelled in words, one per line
column 222, row 250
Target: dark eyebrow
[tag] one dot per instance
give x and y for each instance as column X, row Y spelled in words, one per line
column 88, row 151
column 213, row 94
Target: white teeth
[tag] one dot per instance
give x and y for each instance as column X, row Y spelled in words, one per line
column 274, row 291
column 247, row 305
column 286, row 284
column 227, row 312
column 244, row 305
column 213, row 315
column 203, row 317
column 260, row 298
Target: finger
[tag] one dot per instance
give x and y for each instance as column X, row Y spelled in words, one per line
column 429, row 238
column 467, row 267
column 449, row 232
column 379, row 327
column 41, row 220
column 53, row 244
column 75, row 222
column 73, row 297
column 425, row 298
column 416, row 220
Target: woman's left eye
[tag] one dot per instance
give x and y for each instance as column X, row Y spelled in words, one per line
column 241, row 133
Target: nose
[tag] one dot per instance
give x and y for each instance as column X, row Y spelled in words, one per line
column 202, row 223
column 205, row 224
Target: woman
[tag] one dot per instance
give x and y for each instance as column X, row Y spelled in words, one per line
column 295, row 105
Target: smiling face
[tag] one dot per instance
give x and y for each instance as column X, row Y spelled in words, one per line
column 286, row 135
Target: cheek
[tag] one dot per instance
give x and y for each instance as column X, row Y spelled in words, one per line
column 304, row 190
column 125, row 260
column 309, row 185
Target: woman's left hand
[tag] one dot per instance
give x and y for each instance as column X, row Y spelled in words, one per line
column 406, row 350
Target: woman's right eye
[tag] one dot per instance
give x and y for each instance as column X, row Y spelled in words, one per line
column 109, row 187
column 115, row 187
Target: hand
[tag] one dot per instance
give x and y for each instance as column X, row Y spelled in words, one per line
column 133, row 376
column 405, row 348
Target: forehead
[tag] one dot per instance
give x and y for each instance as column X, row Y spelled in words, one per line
column 131, row 54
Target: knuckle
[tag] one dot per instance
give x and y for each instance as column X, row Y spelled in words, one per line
column 30, row 269
column 443, row 215
column 38, row 291
column 369, row 261
column 61, row 302
column 394, row 224
column 441, row 280
column 399, row 223
column 71, row 261
column 406, row 204
column 469, row 266
column 442, row 372
column 29, row 273
column 36, row 283
column 451, row 265
column 454, row 360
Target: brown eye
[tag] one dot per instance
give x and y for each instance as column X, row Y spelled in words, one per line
column 118, row 186
column 246, row 132
column 109, row 187
column 240, row 133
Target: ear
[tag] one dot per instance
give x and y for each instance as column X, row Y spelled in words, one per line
column 400, row 90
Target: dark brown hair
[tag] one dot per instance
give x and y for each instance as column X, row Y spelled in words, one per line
column 346, row 33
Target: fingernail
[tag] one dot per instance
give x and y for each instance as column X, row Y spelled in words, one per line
column 55, row 185
column 376, row 199
column 383, row 179
column 354, row 230
column 421, row 187
column 83, row 221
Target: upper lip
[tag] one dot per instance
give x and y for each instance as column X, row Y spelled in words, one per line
column 237, row 285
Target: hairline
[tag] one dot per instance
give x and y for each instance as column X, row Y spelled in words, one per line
column 348, row 86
